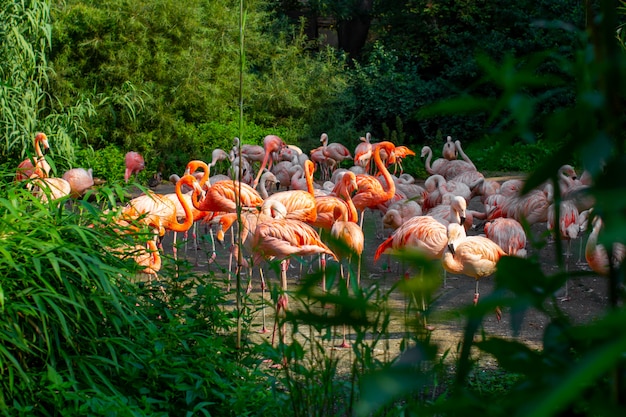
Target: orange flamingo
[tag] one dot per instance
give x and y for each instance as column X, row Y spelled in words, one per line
column 474, row 256
column 80, row 180
column 147, row 256
column 596, row 253
column 334, row 205
column 26, row 169
column 281, row 239
column 508, row 234
column 134, row 165
column 271, row 143
column 222, row 196
column 401, row 152
column 339, row 198
column 371, row 193
column 159, row 212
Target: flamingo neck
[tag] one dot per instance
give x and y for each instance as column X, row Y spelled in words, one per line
column 155, row 263
column 308, row 175
column 38, row 149
column 184, row 226
column 429, row 157
column 391, row 185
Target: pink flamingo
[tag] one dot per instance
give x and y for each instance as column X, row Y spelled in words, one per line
column 423, row 234
column 80, row 180
column 271, row 143
column 134, row 165
column 508, row 234
column 49, row 189
column 282, row 239
column 334, row 151
column 348, row 240
column 26, row 169
column 449, row 151
column 363, row 152
column 596, row 253
column 401, row 211
column 300, row 204
column 569, row 228
column 474, row 256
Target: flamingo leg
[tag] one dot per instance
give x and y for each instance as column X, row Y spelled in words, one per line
column 476, row 293
column 264, row 328
column 283, row 301
column 568, row 254
column 344, row 343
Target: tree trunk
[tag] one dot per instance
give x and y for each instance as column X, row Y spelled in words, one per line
column 352, row 33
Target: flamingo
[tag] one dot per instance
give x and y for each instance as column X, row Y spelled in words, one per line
column 449, row 151
column 218, row 155
column 26, row 169
column 267, row 177
column 407, row 186
column 339, row 198
column 402, row 152
column 348, row 240
column 159, row 212
column 222, row 196
column 134, row 165
column 448, row 169
column 249, row 222
column 300, row 204
column 146, row 256
column 371, row 193
column 569, row 228
column 335, row 205
column 400, row 211
column 438, row 166
column 363, row 152
column 334, row 151
column 181, row 215
column 423, row 234
column 282, row 239
column 596, row 253
column 271, row 143
column 49, row 189
column 474, row 256
column 508, row 234
column 80, row 180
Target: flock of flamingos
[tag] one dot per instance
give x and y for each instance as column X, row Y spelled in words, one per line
column 287, row 213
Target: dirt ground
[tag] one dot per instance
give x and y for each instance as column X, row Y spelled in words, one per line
column 587, row 296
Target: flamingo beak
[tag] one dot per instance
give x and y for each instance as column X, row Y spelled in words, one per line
column 451, row 248
column 220, row 236
column 462, row 220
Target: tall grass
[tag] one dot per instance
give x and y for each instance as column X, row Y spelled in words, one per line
column 83, row 332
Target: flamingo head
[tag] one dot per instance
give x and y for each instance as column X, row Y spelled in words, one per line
column 43, row 139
